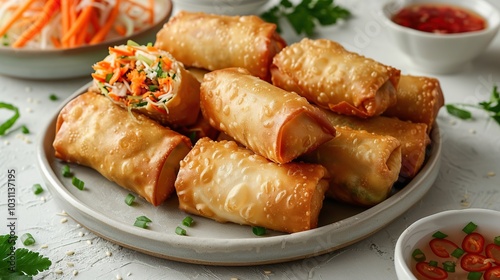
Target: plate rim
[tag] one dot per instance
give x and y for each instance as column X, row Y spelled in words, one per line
column 263, row 249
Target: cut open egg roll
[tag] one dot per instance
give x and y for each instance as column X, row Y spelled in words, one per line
column 272, row 122
column 214, row 42
column 412, row 136
column 150, row 81
column 136, row 153
column 363, row 166
column 229, row 183
column 418, row 100
column 332, row 77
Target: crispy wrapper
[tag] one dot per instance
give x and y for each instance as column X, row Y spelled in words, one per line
column 333, row 78
column 218, row 41
column 363, row 165
column 418, row 100
column 136, row 152
column 228, row 183
column 412, row 136
column 272, row 122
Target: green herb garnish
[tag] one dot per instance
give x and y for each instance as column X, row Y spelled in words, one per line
column 27, row 239
column 66, row 171
column 492, row 107
column 496, row 240
column 25, row 130
column 457, row 253
column 180, row 231
column 475, row 275
column 188, row 221
column 79, row 184
column 418, row 255
column 37, row 189
column 259, row 231
column 449, row 266
column 469, row 228
column 304, row 16
column 28, row 263
column 129, row 199
column 433, row 263
column 53, row 97
column 142, row 222
column 10, row 122
column 439, row 235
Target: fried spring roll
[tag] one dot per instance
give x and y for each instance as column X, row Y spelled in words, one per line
column 333, row 78
column 138, row 154
column 363, row 165
column 418, row 100
column 274, row 123
column 218, row 41
column 150, row 81
column 228, row 183
column 412, row 136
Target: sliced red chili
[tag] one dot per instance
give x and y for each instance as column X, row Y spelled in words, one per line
column 431, row 272
column 442, row 247
column 474, row 262
column 492, row 273
column 473, row 243
column 493, row 252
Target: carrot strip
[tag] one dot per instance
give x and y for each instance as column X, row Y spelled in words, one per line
column 120, row 51
column 101, row 34
column 48, row 10
column 17, row 14
column 80, row 23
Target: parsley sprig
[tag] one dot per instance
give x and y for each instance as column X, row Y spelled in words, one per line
column 304, row 16
column 492, row 107
column 27, row 263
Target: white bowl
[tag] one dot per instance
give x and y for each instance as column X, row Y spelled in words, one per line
column 222, row 7
column 442, row 53
column 447, row 221
column 73, row 62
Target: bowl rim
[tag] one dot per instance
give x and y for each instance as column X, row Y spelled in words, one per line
column 163, row 17
column 493, row 18
column 399, row 258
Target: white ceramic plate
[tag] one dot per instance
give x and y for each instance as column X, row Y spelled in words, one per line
column 101, row 208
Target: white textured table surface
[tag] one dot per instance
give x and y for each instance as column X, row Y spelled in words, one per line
column 470, row 171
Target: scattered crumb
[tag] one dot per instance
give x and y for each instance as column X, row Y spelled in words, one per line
column 267, row 272
column 472, row 131
column 108, row 253
column 70, row 264
column 70, row 253
column 78, row 225
column 81, row 234
column 465, row 201
column 44, row 246
column 89, row 242
column 118, row 277
column 75, row 272
column 43, row 199
column 128, row 274
column 6, row 142
column 63, row 213
column 29, row 110
column 63, row 220
column 58, row 271
column 491, row 174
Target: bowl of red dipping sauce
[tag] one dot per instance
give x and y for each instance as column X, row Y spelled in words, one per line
column 441, row 36
column 453, row 244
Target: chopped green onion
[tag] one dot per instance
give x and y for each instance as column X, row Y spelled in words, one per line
column 439, row 235
column 188, row 221
column 37, row 189
column 53, row 97
column 149, row 44
column 457, row 253
column 449, row 266
column 142, row 222
column 475, row 275
column 27, row 239
column 496, row 240
column 145, row 59
column 66, row 172
column 180, row 231
column 132, row 43
column 108, row 77
column 10, row 122
column 418, row 255
column 433, row 263
column 259, row 231
column 25, row 130
column 129, row 199
column 79, row 184
column 469, row 228
column 153, row 87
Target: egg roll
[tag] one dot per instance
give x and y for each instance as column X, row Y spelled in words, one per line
column 150, row 81
column 272, row 122
column 363, row 165
column 331, row 77
column 137, row 153
column 228, row 183
column 418, row 100
column 214, row 42
column 412, row 136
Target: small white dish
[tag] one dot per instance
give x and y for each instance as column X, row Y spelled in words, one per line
column 73, row 62
column 442, row 53
column 447, row 222
column 221, row 7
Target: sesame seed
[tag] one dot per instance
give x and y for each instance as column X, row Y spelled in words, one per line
column 70, row 264
column 43, row 199
column 44, row 246
column 89, row 242
column 108, row 253
column 58, row 271
column 70, row 253
column 491, row 174
column 81, row 234
column 63, row 220
column 267, row 272
column 75, row 272
column 78, row 225
column 118, row 277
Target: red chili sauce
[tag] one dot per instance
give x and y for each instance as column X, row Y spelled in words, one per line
column 442, row 19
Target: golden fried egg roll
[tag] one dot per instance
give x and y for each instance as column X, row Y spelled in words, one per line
column 219, row 41
column 272, row 122
column 333, row 78
column 363, row 165
column 150, row 81
column 412, row 136
column 228, row 183
column 418, row 100
column 136, row 153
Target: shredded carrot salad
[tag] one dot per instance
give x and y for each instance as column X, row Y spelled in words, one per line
column 46, row 24
column 136, row 76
